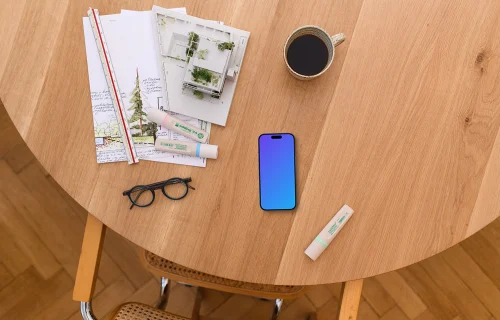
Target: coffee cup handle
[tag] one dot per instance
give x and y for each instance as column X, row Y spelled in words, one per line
column 338, row 39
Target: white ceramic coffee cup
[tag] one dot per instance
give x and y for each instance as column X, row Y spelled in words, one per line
column 330, row 42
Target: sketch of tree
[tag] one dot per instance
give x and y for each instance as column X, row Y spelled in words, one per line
column 136, row 100
column 150, row 129
column 106, row 129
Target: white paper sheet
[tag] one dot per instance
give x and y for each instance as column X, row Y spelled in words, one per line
column 131, row 45
column 182, row 100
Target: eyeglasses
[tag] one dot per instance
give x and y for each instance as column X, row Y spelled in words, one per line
column 174, row 189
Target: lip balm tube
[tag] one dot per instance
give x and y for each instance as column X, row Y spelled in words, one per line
column 188, row 148
column 321, row 242
column 181, row 127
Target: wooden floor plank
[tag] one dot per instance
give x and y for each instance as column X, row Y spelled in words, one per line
column 299, row 309
column 236, row 306
column 19, row 157
column 148, row 294
column 5, row 276
column 427, row 315
column 319, row 295
column 12, row 257
column 260, row 310
column 75, row 316
column 212, row 299
column 124, row 254
column 330, row 310
column 492, row 234
column 57, row 230
column 402, row 293
column 465, row 301
column 65, row 232
column 335, row 289
column 24, row 284
column 430, row 293
column 472, row 275
column 64, row 220
column 75, row 206
column 181, row 300
column 58, row 225
column 485, row 254
column 109, row 272
column 377, row 296
column 394, row 314
column 111, row 297
column 60, row 308
column 365, row 311
column 9, row 137
column 49, row 291
column 26, row 239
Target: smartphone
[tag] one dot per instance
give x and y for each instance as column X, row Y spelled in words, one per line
column 277, row 171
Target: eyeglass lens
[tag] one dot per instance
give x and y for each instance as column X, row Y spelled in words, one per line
column 141, row 196
column 175, row 190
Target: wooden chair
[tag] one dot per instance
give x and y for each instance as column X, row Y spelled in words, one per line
column 87, row 274
column 169, row 270
column 86, row 278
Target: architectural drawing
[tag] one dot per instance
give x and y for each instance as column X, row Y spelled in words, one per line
column 200, row 62
column 140, row 86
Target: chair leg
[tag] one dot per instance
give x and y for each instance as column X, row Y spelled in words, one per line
column 277, row 309
column 86, row 311
column 90, row 256
column 164, row 292
column 197, row 304
column 349, row 299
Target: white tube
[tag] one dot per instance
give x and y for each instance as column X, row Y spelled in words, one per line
column 181, row 127
column 188, row 148
column 321, row 242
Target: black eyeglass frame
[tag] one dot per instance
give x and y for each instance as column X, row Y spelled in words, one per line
column 155, row 186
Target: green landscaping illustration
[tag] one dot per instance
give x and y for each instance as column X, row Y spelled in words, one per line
column 143, row 132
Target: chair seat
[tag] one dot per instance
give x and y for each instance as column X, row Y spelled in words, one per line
column 174, row 271
column 139, row 311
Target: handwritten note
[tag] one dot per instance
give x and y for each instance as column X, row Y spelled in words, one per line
column 130, row 41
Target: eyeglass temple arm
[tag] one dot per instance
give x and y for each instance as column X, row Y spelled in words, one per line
column 151, row 186
column 161, row 184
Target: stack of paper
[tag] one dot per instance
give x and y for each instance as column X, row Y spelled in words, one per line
column 135, row 49
column 187, row 46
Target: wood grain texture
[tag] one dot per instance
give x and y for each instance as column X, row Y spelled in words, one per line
column 395, row 314
column 12, row 257
column 431, row 294
column 349, row 300
column 377, row 296
column 30, row 57
column 480, row 284
column 5, row 276
column 408, row 301
column 90, row 257
column 406, row 140
column 21, row 284
column 10, row 17
column 468, row 304
column 27, row 240
column 403, row 128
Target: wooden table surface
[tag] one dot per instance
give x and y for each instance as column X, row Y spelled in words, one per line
column 403, row 128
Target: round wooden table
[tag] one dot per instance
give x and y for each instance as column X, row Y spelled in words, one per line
column 403, row 128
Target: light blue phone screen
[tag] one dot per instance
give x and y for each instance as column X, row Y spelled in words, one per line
column 277, row 171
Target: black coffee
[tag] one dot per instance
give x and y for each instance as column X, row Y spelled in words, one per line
column 307, row 55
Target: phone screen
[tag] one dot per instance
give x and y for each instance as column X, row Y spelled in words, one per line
column 277, row 171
